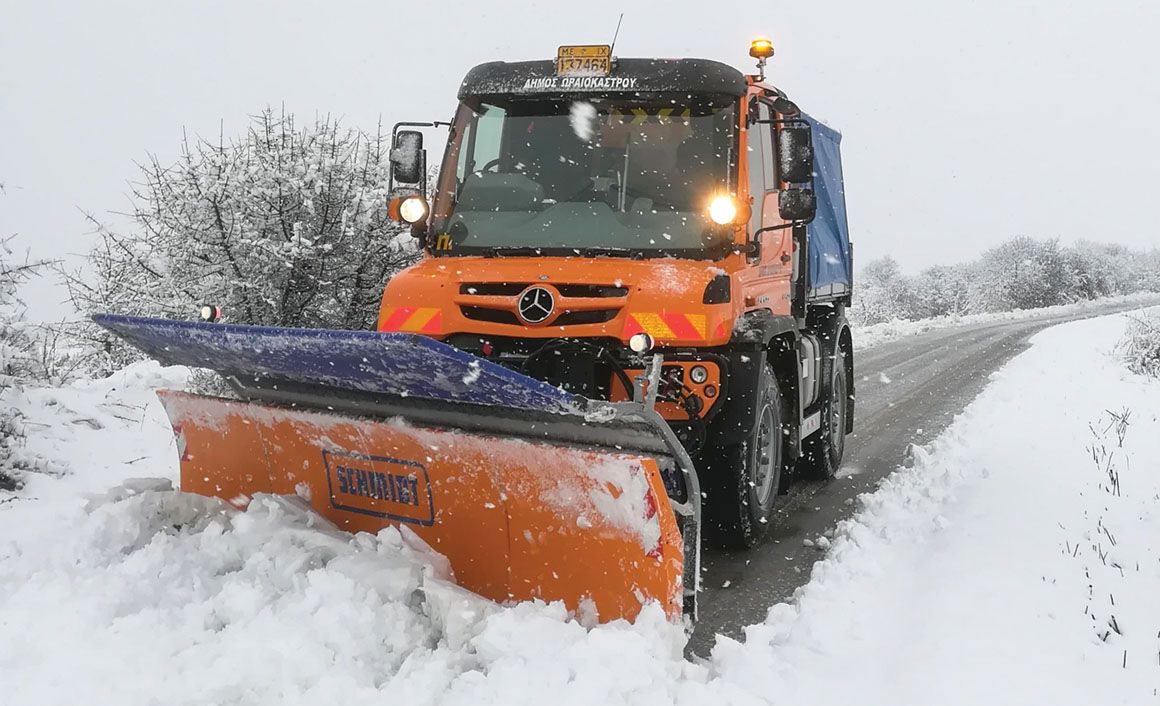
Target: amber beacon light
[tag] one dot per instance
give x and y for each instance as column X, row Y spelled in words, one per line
column 761, row 49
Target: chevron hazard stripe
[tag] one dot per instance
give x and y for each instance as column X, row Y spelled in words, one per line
column 672, row 325
column 411, row 319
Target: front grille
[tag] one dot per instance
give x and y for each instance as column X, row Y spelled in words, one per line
column 495, row 316
column 493, row 313
column 493, row 289
column 510, row 289
column 594, row 291
column 574, row 318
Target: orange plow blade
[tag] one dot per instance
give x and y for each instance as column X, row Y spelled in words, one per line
column 529, row 491
column 517, row 520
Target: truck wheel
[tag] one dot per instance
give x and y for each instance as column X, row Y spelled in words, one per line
column 822, row 453
column 743, row 479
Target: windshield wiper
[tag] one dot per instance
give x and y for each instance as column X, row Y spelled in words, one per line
column 512, row 251
column 610, row 252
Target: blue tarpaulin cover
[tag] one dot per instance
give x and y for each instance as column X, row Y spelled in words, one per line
column 828, row 235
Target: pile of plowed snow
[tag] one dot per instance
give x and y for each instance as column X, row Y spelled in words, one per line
column 1002, row 566
column 114, row 588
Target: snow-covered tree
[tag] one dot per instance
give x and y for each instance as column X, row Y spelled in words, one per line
column 285, row 226
column 18, row 354
column 1024, row 273
column 883, row 292
column 942, row 290
column 1021, row 273
column 1120, row 270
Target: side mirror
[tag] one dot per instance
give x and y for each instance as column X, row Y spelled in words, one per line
column 797, row 204
column 407, row 157
column 795, row 154
column 786, row 107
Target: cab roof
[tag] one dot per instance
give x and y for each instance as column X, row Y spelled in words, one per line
column 628, row 75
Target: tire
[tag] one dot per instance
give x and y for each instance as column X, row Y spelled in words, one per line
column 743, row 480
column 822, row 453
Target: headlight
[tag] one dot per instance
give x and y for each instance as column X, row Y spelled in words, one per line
column 698, row 374
column 722, row 210
column 413, row 209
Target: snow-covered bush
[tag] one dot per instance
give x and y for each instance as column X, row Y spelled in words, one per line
column 59, row 353
column 18, row 357
column 1141, row 344
column 1021, row 273
column 943, row 290
column 285, row 226
column 882, row 292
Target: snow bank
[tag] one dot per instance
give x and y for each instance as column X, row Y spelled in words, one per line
column 95, row 433
column 985, row 572
column 157, row 594
column 1013, row 561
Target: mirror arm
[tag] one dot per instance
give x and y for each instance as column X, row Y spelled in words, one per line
column 783, row 226
column 433, row 123
column 753, row 247
column 423, row 181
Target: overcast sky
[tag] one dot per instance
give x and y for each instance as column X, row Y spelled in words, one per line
column 963, row 123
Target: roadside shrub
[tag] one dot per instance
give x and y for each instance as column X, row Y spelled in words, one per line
column 284, row 226
column 1140, row 345
column 1022, row 273
column 18, row 358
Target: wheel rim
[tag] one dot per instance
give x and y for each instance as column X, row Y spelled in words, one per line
column 838, row 416
column 765, row 470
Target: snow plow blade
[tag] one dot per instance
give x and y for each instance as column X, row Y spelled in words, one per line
column 530, row 492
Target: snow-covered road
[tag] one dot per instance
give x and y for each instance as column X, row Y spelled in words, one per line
column 913, row 379
column 1002, row 566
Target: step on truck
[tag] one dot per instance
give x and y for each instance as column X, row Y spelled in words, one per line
column 626, row 333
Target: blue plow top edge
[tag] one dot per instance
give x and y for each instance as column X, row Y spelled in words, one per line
column 396, row 364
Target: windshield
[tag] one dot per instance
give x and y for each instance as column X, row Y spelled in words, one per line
column 593, row 176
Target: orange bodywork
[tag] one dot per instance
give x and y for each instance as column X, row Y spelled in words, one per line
column 517, row 520
column 442, row 295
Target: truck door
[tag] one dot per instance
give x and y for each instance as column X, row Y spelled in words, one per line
column 770, row 287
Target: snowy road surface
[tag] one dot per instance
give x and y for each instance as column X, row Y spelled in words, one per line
column 1015, row 562
column 909, row 390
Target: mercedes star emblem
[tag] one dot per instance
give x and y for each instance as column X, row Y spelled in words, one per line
column 536, row 305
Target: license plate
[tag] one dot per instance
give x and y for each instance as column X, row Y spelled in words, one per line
column 584, row 60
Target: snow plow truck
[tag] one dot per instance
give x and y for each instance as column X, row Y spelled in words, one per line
column 626, row 331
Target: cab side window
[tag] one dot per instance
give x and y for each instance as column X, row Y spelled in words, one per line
column 761, row 176
column 482, row 142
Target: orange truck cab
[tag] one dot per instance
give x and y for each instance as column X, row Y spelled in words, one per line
column 592, row 211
